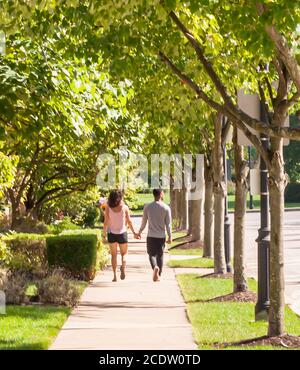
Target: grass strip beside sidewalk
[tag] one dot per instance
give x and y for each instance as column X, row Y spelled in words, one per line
column 217, row 323
column 192, row 263
column 188, row 252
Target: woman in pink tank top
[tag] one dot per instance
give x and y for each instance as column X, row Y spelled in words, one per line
column 116, row 220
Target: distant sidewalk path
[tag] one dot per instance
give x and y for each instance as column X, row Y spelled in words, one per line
column 132, row 314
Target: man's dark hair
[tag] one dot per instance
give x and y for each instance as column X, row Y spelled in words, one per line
column 157, row 193
column 115, row 198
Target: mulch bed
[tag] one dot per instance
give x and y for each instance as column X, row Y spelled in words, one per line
column 181, row 238
column 228, row 275
column 236, row 297
column 285, row 340
column 189, row 245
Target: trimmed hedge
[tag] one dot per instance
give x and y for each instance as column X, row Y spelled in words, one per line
column 26, row 252
column 76, row 252
column 292, row 193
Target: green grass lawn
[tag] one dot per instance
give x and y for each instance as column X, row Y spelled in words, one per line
column 147, row 198
column 31, row 327
column 144, row 198
column 192, row 262
column 188, row 252
column 136, row 212
column 221, row 322
column 201, row 289
column 256, row 202
column 292, row 205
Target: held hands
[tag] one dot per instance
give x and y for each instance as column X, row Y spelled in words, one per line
column 137, row 235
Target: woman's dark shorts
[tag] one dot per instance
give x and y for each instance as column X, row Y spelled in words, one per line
column 117, row 238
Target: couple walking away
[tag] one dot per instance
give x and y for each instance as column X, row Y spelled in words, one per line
column 116, row 220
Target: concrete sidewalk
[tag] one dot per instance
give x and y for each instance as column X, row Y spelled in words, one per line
column 132, row 314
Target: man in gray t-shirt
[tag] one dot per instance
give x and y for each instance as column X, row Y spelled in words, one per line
column 158, row 216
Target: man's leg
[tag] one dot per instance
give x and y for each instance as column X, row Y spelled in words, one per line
column 151, row 252
column 154, row 251
column 160, row 256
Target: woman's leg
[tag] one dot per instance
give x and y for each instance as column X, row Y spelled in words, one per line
column 114, row 262
column 124, row 252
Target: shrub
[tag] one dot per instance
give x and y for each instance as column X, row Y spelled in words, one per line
column 131, row 199
column 292, row 193
column 101, row 214
column 79, row 231
column 57, row 289
column 14, row 287
column 4, row 253
column 103, row 254
column 103, row 257
column 91, row 216
column 73, row 205
column 5, row 222
column 65, row 224
column 77, row 252
column 31, row 226
column 27, row 252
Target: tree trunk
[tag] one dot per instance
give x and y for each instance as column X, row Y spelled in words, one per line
column 15, row 216
column 190, row 211
column 15, row 209
column 219, row 255
column 241, row 189
column 195, row 212
column 178, row 207
column 208, row 211
column 30, row 203
column 33, row 213
column 183, row 210
column 277, row 183
column 173, row 204
column 195, row 222
column 219, row 199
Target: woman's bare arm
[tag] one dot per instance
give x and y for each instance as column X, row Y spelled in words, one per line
column 105, row 224
column 129, row 222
